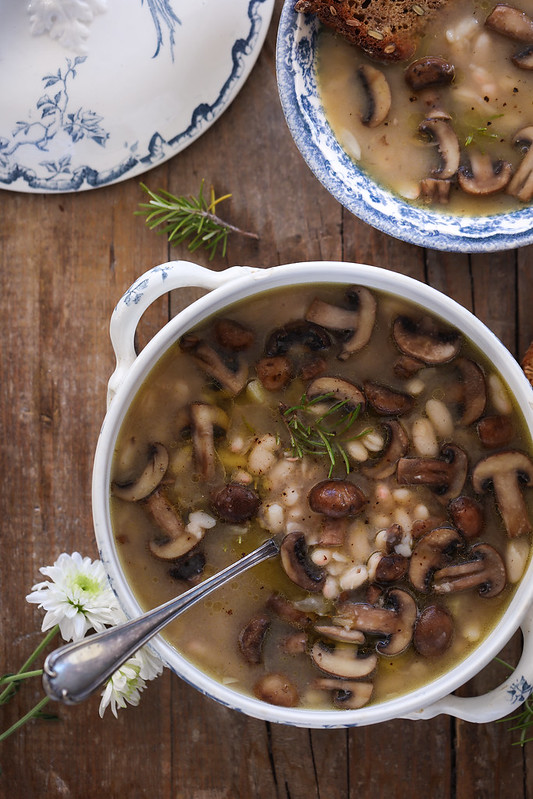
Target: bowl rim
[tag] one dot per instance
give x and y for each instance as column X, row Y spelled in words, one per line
column 349, row 184
column 247, row 285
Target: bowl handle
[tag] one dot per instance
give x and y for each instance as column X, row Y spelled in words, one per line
column 497, row 703
column 141, row 294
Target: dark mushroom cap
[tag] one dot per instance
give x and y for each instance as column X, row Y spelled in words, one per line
column 467, row 515
column 274, row 372
column 276, row 689
column 336, row 498
column 425, row 343
column 235, row 503
column 252, row 636
column 189, row 567
column 473, row 391
column 299, row 332
column 386, row 401
column 495, row 431
column 232, row 335
column 298, row 565
column 428, row 71
column 433, row 632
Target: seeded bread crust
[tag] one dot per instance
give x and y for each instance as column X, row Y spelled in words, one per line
column 387, row 30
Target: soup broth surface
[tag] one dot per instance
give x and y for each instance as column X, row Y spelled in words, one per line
column 488, row 102
column 267, row 622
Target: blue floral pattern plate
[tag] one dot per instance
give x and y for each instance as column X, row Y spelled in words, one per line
column 92, row 99
column 297, row 83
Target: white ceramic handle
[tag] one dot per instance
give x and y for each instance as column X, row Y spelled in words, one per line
column 141, row 294
column 499, row 702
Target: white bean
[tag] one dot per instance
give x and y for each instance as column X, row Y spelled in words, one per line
column 499, row 396
column 402, row 518
column 263, row 455
column 373, row 441
column 401, row 495
column 516, row 556
column 424, row 438
column 357, row 451
column 353, row 578
column 415, row 386
column 331, row 588
column 440, row 417
column 321, row 556
column 274, row 517
column 421, row 512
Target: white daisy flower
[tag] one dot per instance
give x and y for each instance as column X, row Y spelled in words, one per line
column 78, row 598
column 127, row 683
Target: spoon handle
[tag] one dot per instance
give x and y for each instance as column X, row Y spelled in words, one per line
column 74, row 671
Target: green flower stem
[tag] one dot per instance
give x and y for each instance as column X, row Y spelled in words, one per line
column 30, row 714
column 35, row 654
column 21, row 676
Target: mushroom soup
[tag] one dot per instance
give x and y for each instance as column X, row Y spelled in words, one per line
column 453, row 127
column 382, row 444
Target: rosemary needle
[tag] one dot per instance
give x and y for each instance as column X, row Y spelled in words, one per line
column 319, row 435
column 191, row 219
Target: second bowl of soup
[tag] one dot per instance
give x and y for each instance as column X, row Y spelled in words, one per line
column 373, row 422
column 434, row 149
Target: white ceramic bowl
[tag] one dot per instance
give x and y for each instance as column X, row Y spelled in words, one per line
column 297, row 84
column 238, row 283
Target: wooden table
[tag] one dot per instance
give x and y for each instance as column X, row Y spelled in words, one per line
column 66, row 260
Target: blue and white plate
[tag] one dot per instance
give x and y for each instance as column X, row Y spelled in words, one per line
column 297, row 83
column 96, row 91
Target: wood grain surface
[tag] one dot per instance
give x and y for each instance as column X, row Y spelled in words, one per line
column 65, row 262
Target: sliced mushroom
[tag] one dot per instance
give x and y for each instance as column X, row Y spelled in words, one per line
column 377, row 95
column 276, row 689
column 433, row 633
column 339, row 390
column 467, row 515
column 299, row 332
column 232, row 335
column 433, row 190
column 148, row 480
column 235, row 503
column 173, row 541
column 423, row 341
column 252, row 636
column 507, row 471
column 396, row 447
column 473, row 391
column 336, row 498
column 229, row 379
column 288, row 612
column 394, row 620
column 484, row 570
column 445, row 476
column 386, row 401
column 387, row 568
column 347, row 694
column 342, row 660
column 207, row 422
column 484, row 176
column 359, row 319
column 298, row 565
column 340, row 634
column 511, row 22
column 428, row 71
column 521, row 184
column 444, row 136
column 524, row 58
column 405, row 366
column 433, row 551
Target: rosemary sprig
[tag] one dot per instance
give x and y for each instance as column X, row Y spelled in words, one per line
column 320, row 435
column 191, row 219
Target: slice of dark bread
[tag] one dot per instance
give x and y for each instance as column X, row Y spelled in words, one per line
column 387, row 30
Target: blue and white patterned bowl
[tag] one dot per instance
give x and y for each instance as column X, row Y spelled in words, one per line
column 297, row 83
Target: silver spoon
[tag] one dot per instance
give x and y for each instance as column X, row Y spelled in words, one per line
column 75, row 671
